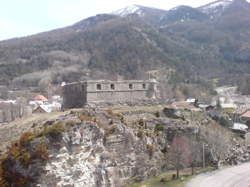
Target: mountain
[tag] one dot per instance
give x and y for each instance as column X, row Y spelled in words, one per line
column 183, row 13
column 149, row 15
column 92, row 21
column 216, row 7
column 195, row 44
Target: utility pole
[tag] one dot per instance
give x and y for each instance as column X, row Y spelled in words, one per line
column 203, row 155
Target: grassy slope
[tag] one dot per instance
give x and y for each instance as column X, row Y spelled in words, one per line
column 156, row 181
column 12, row 131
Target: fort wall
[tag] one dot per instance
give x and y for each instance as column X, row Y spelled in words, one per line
column 76, row 95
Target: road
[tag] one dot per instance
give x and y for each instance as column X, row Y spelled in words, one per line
column 238, row 176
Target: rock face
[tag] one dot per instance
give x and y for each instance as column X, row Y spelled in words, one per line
column 96, row 147
column 89, row 156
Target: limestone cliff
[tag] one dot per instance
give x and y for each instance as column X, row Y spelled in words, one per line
column 96, row 148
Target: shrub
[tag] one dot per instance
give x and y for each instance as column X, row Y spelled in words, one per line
column 110, row 130
column 157, row 114
column 141, row 122
column 159, row 127
column 41, row 152
column 25, row 158
column 26, row 138
column 53, row 131
column 86, row 118
column 112, row 113
column 140, row 133
column 150, row 149
column 71, row 122
column 20, row 156
column 15, row 149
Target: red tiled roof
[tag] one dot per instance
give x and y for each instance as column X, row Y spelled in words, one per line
column 40, row 98
column 246, row 114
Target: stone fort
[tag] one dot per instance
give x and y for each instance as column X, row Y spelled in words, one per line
column 78, row 94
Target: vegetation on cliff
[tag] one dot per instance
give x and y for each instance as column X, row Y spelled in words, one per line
column 146, row 139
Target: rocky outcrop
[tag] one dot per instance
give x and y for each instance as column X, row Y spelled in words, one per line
column 96, row 147
column 91, row 156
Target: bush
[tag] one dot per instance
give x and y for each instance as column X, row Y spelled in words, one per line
column 150, row 149
column 41, row 152
column 56, row 129
column 87, row 118
column 159, row 127
column 71, row 122
column 141, row 122
column 157, row 114
column 140, row 133
column 26, row 138
column 53, row 131
column 19, row 157
column 110, row 130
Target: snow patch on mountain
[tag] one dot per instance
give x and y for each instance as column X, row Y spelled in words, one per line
column 216, row 7
column 133, row 9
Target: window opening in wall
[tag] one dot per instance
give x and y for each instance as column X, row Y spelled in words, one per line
column 130, row 86
column 144, row 86
column 112, row 86
column 98, row 86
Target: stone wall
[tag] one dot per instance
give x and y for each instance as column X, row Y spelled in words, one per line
column 76, row 95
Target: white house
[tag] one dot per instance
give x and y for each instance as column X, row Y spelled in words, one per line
column 239, row 126
column 190, row 100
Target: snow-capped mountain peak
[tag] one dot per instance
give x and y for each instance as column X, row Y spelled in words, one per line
column 133, row 9
column 216, row 6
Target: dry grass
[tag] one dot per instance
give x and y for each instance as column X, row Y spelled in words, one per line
column 12, row 131
column 91, row 119
column 165, row 179
column 137, row 108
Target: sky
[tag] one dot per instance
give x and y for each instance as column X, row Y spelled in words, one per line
column 26, row 17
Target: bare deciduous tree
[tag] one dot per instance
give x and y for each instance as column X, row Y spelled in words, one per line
column 195, row 153
column 218, row 142
column 179, row 153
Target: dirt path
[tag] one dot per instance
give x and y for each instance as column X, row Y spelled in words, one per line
column 238, row 176
column 12, row 131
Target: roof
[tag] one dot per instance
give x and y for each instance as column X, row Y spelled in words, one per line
column 8, row 101
column 239, row 126
column 45, row 108
column 246, row 114
column 190, row 100
column 228, row 105
column 40, row 98
column 109, row 82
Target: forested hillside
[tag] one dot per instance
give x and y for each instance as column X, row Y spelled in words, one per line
column 199, row 44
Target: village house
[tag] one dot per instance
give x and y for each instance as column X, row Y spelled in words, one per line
column 239, row 127
column 38, row 100
column 40, row 104
column 245, row 116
